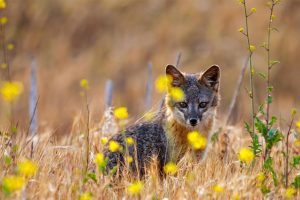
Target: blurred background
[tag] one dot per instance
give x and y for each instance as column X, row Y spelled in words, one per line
column 115, row 39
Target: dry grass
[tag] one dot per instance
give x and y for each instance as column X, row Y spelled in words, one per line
column 61, row 167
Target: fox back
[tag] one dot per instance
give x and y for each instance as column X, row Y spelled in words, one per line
column 165, row 137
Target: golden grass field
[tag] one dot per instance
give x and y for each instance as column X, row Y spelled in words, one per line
column 78, row 45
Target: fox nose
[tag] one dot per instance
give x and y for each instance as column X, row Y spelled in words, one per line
column 193, row 121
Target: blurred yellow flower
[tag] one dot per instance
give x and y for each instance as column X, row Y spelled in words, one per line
column 293, row 111
column 273, row 17
column 84, row 84
column 176, row 93
column 297, row 142
column 129, row 140
column 114, row 146
column 253, row 10
column 241, row 30
column 12, row 183
column 252, row 48
column 298, row 124
column 99, row 158
column 129, row 159
column 163, row 82
column 236, row 196
column 149, row 116
column 135, row 188
column 85, row 196
column 218, row 188
column 260, row 177
column 2, row 4
column 3, row 20
column 246, row 155
column 170, row 168
column 103, row 140
column 10, row 46
column 241, row 1
column 121, row 113
column 27, row 168
column 290, row 192
column 11, row 90
column 196, row 140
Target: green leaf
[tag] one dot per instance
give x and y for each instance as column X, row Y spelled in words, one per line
column 102, row 166
column 268, row 165
column 113, row 170
column 273, row 137
column 261, row 109
column 269, row 99
column 262, row 75
column 90, row 176
column 273, row 62
column 247, row 127
column 255, row 145
column 270, row 88
column 296, row 160
column 264, row 189
column 260, row 126
column 273, row 121
column 7, row 160
column 296, row 182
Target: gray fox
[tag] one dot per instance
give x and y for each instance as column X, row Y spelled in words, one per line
column 165, row 137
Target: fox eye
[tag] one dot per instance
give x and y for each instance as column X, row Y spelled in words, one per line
column 183, row 105
column 202, row 104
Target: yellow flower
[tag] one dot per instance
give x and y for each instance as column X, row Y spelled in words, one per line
column 298, row 124
column 84, row 84
column 170, row 168
column 236, row 196
column 293, row 112
column 129, row 140
column 135, row 188
column 149, row 116
column 2, row 4
column 290, row 192
column 253, row 10
column 242, row 1
column 121, row 113
column 3, row 20
column 196, row 140
column 273, row 17
column 241, row 30
column 99, row 158
column 10, row 46
column 11, row 90
column 27, row 168
column 114, row 146
column 163, row 82
column 252, row 48
column 260, row 177
column 103, row 140
column 129, row 159
column 176, row 93
column 12, row 183
column 218, row 188
column 297, row 142
column 85, row 196
column 246, row 155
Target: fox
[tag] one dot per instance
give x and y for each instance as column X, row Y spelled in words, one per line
column 165, row 136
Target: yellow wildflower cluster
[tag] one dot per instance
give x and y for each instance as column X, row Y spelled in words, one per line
column 253, row 10
column 242, row 30
column 11, row 90
column 85, row 196
column 11, row 184
column 2, row 4
column 196, row 140
column 246, row 155
column 298, row 125
column 84, row 84
column 252, row 48
column 218, row 189
column 170, row 168
column 121, row 113
column 27, row 168
column 135, row 188
column 114, row 146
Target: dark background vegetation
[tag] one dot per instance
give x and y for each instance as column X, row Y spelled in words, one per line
column 115, row 39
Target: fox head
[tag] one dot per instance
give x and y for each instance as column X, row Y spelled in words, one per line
column 201, row 95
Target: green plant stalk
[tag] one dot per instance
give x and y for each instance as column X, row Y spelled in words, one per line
column 269, row 73
column 251, row 69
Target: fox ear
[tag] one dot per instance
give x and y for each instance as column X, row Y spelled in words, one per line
column 177, row 77
column 211, row 77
